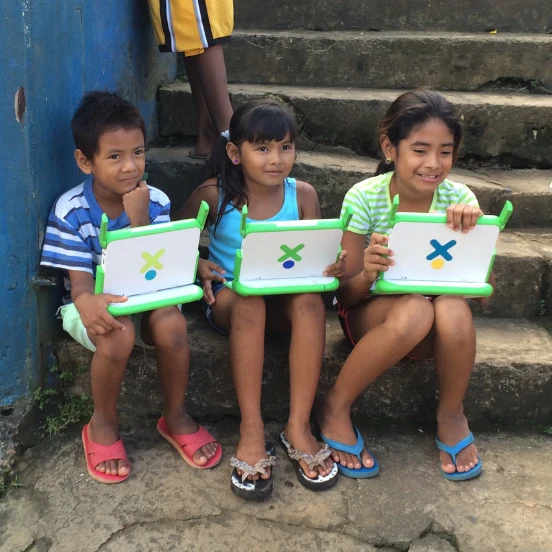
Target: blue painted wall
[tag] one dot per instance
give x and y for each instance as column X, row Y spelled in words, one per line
column 55, row 51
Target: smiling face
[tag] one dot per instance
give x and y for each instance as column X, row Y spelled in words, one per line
column 423, row 159
column 119, row 164
column 264, row 163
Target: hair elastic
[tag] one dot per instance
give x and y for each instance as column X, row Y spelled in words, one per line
column 226, row 134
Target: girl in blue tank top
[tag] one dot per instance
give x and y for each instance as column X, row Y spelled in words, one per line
column 251, row 166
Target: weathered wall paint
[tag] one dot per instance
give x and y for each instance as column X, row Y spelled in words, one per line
column 51, row 52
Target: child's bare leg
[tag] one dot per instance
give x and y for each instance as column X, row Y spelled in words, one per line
column 212, row 74
column 206, row 134
column 306, row 314
column 244, row 318
column 166, row 329
column 454, row 351
column 106, row 371
column 385, row 329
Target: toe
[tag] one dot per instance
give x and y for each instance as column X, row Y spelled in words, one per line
column 100, row 467
column 111, row 467
column 313, row 474
column 335, row 455
column 266, row 474
column 199, row 458
column 367, row 460
column 446, row 463
column 343, row 459
column 123, row 468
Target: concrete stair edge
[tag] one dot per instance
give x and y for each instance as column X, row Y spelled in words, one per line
column 511, row 383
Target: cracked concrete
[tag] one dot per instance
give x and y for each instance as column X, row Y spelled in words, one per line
column 167, row 506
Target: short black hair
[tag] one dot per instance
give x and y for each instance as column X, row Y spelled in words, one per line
column 100, row 112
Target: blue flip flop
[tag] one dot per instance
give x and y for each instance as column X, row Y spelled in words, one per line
column 363, row 472
column 453, row 451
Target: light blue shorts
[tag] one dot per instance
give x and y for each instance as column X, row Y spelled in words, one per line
column 73, row 325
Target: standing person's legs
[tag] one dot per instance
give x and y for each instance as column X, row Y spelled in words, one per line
column 207, row 77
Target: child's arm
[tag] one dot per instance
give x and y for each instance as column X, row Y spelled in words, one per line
column 206, row 270
column 136, row 204
column 363, row 266
column 208, row 191
column 307, row 202
column 93, row 308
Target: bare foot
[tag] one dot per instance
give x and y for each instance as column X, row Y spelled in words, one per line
column 301, row 438
column 205, row 143
column 251, row 447
column 450, row 430
column 337, row 426
column 106, row 433
column 182, row 424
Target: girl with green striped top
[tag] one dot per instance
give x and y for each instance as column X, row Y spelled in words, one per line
column 420, row 139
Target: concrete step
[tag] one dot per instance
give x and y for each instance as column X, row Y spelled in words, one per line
column 334, row 173
column 533, row 16
column 523, row 264
column 511, row 383
column 515, row 130
column 388, row 59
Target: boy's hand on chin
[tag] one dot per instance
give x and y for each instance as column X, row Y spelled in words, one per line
column 136, row 204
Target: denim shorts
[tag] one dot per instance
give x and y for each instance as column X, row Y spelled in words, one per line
column 208, row 309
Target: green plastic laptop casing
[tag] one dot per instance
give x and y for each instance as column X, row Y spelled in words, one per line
column 388, row 286
column 189, row 293
column 248, row 227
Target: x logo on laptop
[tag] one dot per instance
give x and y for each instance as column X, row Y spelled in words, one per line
column 441, row 250
column 290, row 255
column 152, row 264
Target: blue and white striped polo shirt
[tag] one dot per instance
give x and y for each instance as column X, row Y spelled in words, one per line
column 72, row 234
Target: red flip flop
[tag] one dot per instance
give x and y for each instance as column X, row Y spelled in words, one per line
column 96, row 453
column 188, row 443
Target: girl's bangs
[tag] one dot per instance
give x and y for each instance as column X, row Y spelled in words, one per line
column 270, row 123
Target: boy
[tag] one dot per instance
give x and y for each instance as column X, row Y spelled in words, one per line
column 110, row 136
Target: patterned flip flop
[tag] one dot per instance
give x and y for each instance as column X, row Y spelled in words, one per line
column 320, row 482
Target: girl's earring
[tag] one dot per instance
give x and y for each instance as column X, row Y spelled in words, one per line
column 235, row 161
column 388, row 161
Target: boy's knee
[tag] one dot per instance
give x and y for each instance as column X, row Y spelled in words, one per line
column 117, row 344
column 168, row 328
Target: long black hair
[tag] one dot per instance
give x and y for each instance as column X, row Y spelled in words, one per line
column 254, row 122
column 411, row 110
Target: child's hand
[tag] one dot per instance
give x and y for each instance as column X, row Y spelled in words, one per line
column 136, row 204
column 337, row 270
column 464, row 216
column 94, row 315
column 206, row 276
column 374, row 257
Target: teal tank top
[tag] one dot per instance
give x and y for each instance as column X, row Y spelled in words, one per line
column 223, row 246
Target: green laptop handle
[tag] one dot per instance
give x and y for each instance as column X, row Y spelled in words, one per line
column 107, row 236
column 488, row 220
column 316, row 224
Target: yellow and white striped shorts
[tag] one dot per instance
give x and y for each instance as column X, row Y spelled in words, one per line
column 190, row 26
